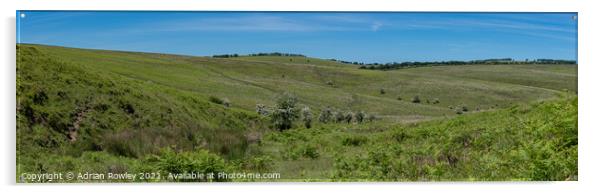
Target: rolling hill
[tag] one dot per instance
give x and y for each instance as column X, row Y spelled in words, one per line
column 101, row 110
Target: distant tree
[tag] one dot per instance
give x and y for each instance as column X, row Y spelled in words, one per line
column 382, row 91
column 226, row 102
column 306, row 117
column 436, row 101
column 399, row 98
column 416, row 99
column 285, row 112
column 215, row 100
column 339, row 116
column 325, row 115
column 349, row 117
column 359, row 116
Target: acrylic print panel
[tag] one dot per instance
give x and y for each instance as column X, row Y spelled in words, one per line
column 127, row 96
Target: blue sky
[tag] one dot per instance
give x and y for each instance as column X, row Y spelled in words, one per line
column 364, row 37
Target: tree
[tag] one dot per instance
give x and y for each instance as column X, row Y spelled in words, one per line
column 226, row 102
column 382, row 91
column 306, row 117
column 325, row 115
column 348, row 117
column 416, row 99
column 359, row 116
column 285, row 112
column 339, row 116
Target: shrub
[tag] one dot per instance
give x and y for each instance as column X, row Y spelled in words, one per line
column 436, row 101
column 399, row 98
column 226, row 102
column 349, row 117
column 382, row 91
column 215, row 100
column 285, row 112
column 464, row 109
column 262, row 109
column 325, row 115
column 306, row 117
column 339, row 116
column 359, row 116
column 416, row 99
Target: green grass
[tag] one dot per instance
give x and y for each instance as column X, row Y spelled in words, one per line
column 78, row 105
column 527, row 142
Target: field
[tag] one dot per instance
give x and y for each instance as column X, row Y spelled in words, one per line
column 112, row 111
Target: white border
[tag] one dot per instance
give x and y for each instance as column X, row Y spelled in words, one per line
column 589, row 95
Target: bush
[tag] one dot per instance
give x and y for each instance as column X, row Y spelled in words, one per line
column 215, row 100
column 262, row 109
column 285, row 112
column 226, row 102
column 382, row 91
column 399, row 98
column 339, row 116
column 325, row 115
column 359, row 116
column 416, row 99
column 436, row 101
column 306, row 117
column 348, row 117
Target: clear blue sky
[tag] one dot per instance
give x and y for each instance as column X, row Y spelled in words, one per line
column 363, row 37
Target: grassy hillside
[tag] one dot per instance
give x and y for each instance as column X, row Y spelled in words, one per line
column 97, row 110
column 528, row 142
